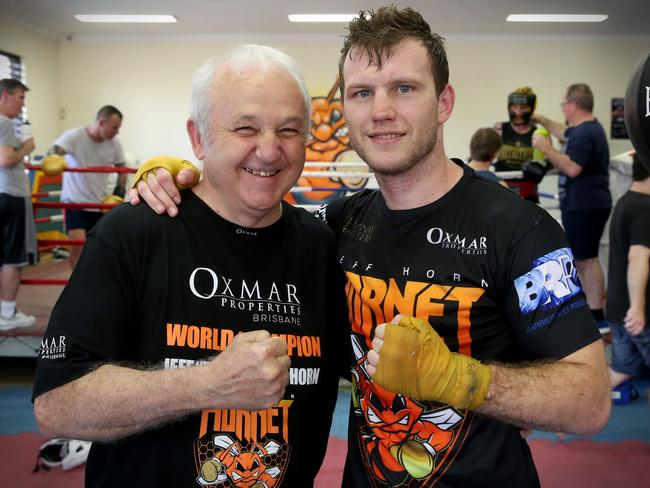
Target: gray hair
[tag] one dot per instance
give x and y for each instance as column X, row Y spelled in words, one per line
column 581, row 95
column 239, row 58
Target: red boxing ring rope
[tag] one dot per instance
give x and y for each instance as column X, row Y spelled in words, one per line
column 67, row 242
column 43, row 281
column 101, row 206
column 61, row 242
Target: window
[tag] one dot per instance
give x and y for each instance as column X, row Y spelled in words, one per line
column 11, row 66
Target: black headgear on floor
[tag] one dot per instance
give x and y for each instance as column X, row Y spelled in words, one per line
column 637, row 109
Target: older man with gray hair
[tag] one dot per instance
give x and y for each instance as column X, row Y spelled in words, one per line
column 201, row 350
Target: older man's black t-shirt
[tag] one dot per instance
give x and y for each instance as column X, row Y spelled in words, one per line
column 151, row 291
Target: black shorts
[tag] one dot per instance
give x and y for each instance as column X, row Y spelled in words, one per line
column 80, row 219
column 12, row 229
column 584, row 228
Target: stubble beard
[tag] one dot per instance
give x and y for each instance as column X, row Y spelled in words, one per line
column 400, row 167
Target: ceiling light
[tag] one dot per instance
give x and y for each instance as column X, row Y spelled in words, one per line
column 555, row 18
column 322, row 17
column 125, row 18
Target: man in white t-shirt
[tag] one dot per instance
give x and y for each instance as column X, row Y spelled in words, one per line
column 85, row 147
column 14, row 202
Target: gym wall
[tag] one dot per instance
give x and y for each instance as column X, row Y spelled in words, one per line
column 41, row 57
column 149, row 79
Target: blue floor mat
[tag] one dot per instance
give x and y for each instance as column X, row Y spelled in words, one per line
column 341, row 413
column 16, row 410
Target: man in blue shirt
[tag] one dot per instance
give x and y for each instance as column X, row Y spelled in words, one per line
column 585, row 200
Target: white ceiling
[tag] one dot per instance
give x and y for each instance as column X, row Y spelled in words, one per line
column 54, row 18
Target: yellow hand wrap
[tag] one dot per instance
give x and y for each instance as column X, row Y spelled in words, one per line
column 415, row 362
column 172, row 164
column 53, row 165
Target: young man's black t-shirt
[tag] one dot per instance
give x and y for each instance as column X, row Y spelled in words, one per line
column 494, row 275
column 630, row 225
column 152, row 291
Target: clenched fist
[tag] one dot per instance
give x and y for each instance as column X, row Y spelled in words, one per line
column 409, row 357
column 251, row 373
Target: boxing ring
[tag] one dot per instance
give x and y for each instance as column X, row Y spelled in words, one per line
column 42, row 284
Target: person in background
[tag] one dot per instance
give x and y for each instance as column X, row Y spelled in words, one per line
column 87, row 147
column 516, row 153
column 15, row 223
column 484, row 149
column 585, row 199
column 628, row 293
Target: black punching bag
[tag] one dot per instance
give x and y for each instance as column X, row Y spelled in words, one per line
column 637, row 109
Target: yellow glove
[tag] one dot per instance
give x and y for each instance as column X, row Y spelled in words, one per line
column 53, row 165
column 416, row 362
column 171, row 164
column 113, row 200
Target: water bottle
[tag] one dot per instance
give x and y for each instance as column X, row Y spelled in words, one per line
column 26, row 131
column 537, row 154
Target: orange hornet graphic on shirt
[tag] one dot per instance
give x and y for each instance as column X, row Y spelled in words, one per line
column 404, row 440
column 404, row 437
column 242, row 468
column 243, row 449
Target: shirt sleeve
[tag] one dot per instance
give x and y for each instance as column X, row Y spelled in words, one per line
column 579, row 147
column 545, row 302
column 66, row 141
column 640, row 229
column 8, row 135
column 332, row 213
column 91, row 321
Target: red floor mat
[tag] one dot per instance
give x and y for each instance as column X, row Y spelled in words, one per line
column 331, row 472
column 571, row 464
column 18, row 459
column 587, row 464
